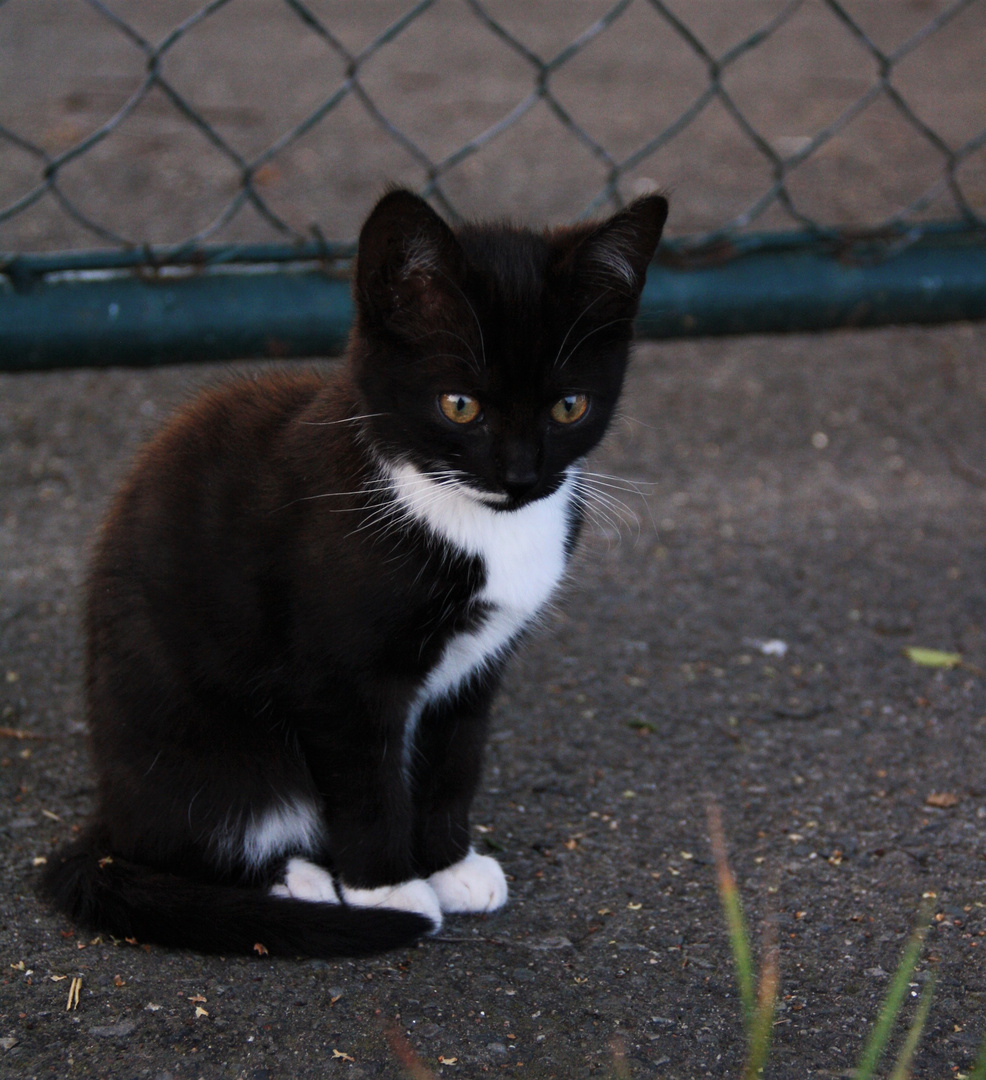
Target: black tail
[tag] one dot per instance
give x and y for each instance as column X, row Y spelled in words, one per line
column 132, row 901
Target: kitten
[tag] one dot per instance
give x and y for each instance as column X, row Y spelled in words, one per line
column 303, row 598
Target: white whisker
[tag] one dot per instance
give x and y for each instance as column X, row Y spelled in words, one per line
column 472, row 311
column 578, row 318
column 575, row 348
column 346, row 420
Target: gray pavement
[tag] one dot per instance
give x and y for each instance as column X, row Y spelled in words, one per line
column 827, row 492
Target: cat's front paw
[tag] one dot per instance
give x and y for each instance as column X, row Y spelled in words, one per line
column 473, row 884
column 303, row 880
column 414, row 895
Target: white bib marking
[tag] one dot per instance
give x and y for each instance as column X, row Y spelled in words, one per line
column 523, row 555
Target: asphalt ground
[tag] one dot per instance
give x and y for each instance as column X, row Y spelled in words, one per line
column 823, row 491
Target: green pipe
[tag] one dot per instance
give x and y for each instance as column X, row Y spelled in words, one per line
column 134, row 321
column 57, row 317
column 818, row 287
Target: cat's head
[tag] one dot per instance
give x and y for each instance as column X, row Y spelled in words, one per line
column 490, row 355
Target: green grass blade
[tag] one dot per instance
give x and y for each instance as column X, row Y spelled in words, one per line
column 620, row 1070
column 902, row 1067
column 739, row 938
column 762, row 1027
column 894, row 1001
column 979, row 1069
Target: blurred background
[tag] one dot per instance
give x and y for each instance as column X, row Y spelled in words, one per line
column 126, row 123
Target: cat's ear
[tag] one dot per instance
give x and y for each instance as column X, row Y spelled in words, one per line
column 407, row 266
column 615, row 255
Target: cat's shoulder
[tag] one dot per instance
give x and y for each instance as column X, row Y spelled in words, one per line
column 241, row 415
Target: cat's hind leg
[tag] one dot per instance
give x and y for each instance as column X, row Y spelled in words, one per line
column 474, row 884
column 304, row 880
column 415, row 895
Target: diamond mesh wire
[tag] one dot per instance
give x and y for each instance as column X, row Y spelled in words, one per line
column 543, row 110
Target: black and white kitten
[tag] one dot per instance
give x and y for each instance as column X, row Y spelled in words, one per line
column 304, row 596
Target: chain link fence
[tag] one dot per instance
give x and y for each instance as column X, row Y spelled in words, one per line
column 246, row 132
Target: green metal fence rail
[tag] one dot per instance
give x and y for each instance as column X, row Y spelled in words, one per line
column 132, row 301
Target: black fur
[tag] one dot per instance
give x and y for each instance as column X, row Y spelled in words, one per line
column 257, row 626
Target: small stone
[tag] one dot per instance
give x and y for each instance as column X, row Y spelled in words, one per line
column 9, row 1042
column 557, row 941
column 111, row 1031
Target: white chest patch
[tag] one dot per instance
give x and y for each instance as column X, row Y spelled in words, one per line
column 523, row 555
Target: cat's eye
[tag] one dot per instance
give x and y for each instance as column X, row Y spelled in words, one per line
column 459, row 408
column 570, row 408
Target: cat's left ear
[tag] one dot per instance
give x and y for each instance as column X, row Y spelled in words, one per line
column 616, row 254
column 407, row 266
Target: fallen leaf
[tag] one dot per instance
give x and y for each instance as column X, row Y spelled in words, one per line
column 932, row 657
column 130, row 940
column 119, row 980
column 51, row 815
column 343, row 1057
column 39, row 860
column 260, row 950
column 58, row 978
column 199, row 998
column 634, row 907
column 443, row 1060
column 199, row 1011
column 19, row 966
column 105, row 861
column 942, row 799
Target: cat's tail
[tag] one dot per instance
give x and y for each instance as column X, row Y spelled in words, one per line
column 129, row 900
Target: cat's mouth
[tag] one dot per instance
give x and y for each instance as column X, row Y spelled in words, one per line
column 501, row 500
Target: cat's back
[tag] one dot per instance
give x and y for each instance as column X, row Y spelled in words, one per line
column 225, row 453
column 197, row 515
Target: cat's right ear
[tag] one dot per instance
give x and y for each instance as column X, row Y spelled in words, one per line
column 407, row 266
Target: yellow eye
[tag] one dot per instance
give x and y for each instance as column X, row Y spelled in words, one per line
column 570, row 408
column 459, row 408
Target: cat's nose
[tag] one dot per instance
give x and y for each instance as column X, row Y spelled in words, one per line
column 519, row 479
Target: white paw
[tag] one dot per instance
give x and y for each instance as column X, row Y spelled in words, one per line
column 414, row 895
column 305, row 881
column 475, row 883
